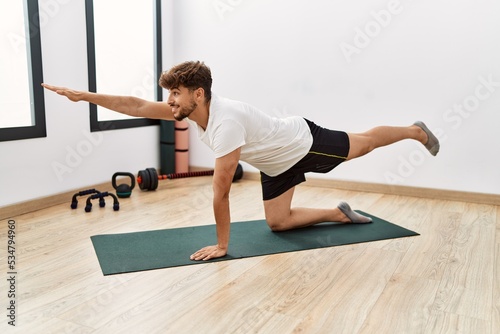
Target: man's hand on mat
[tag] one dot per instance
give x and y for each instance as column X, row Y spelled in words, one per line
column 209, row 252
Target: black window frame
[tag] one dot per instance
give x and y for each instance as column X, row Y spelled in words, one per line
column 95, row 124
column 34, row 46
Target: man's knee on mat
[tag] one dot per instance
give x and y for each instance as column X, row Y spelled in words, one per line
column 277, row 224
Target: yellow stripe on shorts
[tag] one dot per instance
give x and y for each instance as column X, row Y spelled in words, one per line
column 328, row 155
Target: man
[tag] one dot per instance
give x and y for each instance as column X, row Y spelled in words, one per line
column 282, row 149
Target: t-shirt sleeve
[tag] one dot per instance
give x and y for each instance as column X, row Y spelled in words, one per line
column 229, row 136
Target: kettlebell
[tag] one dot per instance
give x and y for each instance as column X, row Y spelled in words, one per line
column 123, row 190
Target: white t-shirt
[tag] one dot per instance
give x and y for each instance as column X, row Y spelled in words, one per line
column 272, row 145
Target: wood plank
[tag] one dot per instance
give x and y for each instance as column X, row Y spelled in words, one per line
column 175, row 305
column 407, row 212
column 497, row 233
column 49, row 326
column 299, row 280
column 429, row 253
column 467, row 283
column 236, row 298
column 495, row 311
column 443, row 322
column 345, row 298
column 405, row 306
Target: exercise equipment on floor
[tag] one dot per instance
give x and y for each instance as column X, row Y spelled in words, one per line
column 74, row 201
column 95, row 194
column 100, row 196
column 148, row 178
column 123, row 190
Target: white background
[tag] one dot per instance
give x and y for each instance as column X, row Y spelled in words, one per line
column 285, row 57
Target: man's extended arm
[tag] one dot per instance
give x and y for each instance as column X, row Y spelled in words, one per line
column 225, row 168
column 128, row 105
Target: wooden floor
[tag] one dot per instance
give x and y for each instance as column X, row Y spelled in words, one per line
column 447, row 280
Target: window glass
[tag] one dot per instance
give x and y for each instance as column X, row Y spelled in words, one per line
column 123, row 50
column 22, row 110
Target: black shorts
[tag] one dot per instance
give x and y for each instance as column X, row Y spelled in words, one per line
column 329, row 149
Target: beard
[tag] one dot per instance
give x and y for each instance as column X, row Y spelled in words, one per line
column 184, row 112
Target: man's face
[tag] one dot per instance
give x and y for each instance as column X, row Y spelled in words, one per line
column 182, row 102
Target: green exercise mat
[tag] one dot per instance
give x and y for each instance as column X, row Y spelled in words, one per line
column 129, row 252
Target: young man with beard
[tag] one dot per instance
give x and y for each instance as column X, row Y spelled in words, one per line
column 282, row 149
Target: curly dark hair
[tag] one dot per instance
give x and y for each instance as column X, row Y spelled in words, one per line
column 190, row 74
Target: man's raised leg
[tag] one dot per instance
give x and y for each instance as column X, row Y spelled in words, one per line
column 363, row 143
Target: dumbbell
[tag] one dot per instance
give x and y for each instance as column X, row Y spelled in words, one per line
column 148, row 178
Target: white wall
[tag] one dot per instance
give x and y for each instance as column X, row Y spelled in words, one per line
column 285, row 57
column 83, row 158
column 424, row 60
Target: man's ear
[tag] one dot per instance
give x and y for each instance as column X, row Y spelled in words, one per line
column 199, row 93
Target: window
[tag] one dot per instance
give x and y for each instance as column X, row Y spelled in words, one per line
column 124, row 56
column 22, row 106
